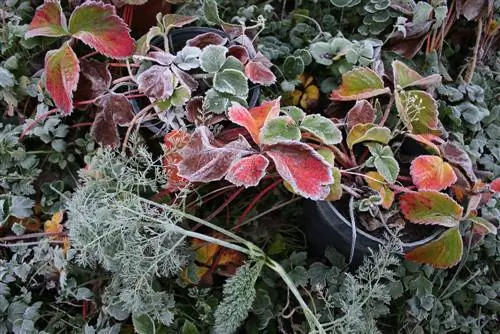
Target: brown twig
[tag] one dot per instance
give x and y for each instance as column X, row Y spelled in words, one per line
column 134, row 120
column 387, row 111
column 472, row 64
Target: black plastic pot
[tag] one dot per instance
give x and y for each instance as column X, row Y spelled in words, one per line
column 177, row 39
column 326, row 226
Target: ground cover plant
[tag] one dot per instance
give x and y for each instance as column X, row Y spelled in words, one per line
column 152, row 179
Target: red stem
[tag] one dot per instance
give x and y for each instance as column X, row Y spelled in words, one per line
column 255, row 201
column 36, row 121
column 122, row 65
column 131, row 96
column 77, row 125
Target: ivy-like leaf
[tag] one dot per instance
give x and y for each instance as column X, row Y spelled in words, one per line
column 430, row 207
column 248, row 171
column 212, row 58
column 406, row 77
column 232, row 82
column 359, row 83
column 384, row 161
column 368, row 132
column 49, row 20
column 418, row 111
column 322, row 128
column 205, row 160
column 206, row 39
column 62, row 73
column 97, row 25
column 156, row 82
column 307, row 172
column 259, row 73
column 361, row 113
column 255, row 118
column 430, row 172
column 444, row 252
column 278, row 129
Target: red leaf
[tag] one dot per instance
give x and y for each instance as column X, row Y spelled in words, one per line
column 258, row 73
column 104, row 130
column 156, row 82
column 206, row 160
column 309, row 174
column 97, row 25
column 430, row 172
column 118, row 107
column 248, row 171
column 49, row 20
column 458, row 157
column 430, row 207
column 205, row 39
column 239, row 52
column 495, row 185
column 361, row 113
column 174, row 141
column 95, row 80
column 255, row 118
column 444, row 252
column 62, row 73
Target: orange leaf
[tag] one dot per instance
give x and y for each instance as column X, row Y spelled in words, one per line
column 430, row 172
column 495, row 185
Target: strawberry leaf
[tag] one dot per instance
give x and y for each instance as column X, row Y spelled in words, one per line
column 361, row 113
column 406, row 77
column 97, row 25
column 281, row 128
column 232, row 82
column 212, row 58
column 304, row 169
column 336, row 187
column 359, row 83
column 49, row 20
column 459, row 158
column 418, row 111
column 255, row 118
column 95, row 80
column 62, row 73
column 495, row 185
column 206, row 160
column 428, row 140
column 259, row 73
column 156, row 82
column 482, row 226
column 176, row 21
column 206, row 39
column 368, row 132
column 239, row 52
column 430, row 207
column 118, row 106
column 104, row 130
column 322, row 128
column 295, row 113
column 248, row 171
column 384, row 161
column 430, row 172
column 444, row 252
column 174, row 141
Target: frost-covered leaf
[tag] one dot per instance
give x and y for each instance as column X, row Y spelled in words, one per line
column 430, row 172
column 293, row 67
column 406, row 77
column 377, row 182
column 384, row 161
column 118, row 106
column 361, row 113
column 295, row 113
column 188, row 58
column 359, row 83
column 418, row 111
column 248, row 171
column 281, row 128
column 482, row 226
column 49, row 20
column 206, row 160
column 62, row 73
column 255, row 118
column 206, row 39
column 21, row 206
column 176, row 21
column 157, row 82
column 185, row 79
column 336, row 187
column 368, row 132
column 495, row 185
column 322, row 128
column 97, row 25
column 95, row 80
column 104, row 130
column 212, row 58
column 444, row 252
column 259, row 73
column 428, row 140
column 210, row 12
column 6, row 78
column 144, row 324
column 430, row 207
column 307, row 172
column 239, row 52
column 232, row 82
column 232, row 63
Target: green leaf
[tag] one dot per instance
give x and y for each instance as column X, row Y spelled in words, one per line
column 430, row 207
column 295, row 113
column 281, row 128
column 305, row 55
column 322, row 52
column 6, row 78
column 216, row 102
column 210, row 12
column 418, row 111
column 213, row 58
column 232, row 82
column 405, row 76
column 359, row 83
column 49, row 20
column 444, row 252
column 232, row 63
column 484, row 225
column 323, row 128
column 176, row 21
column 293, row 67
column 189, row 328
column 368, row 132
column 144, row 324
column 384, row 161
column 336, row 187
